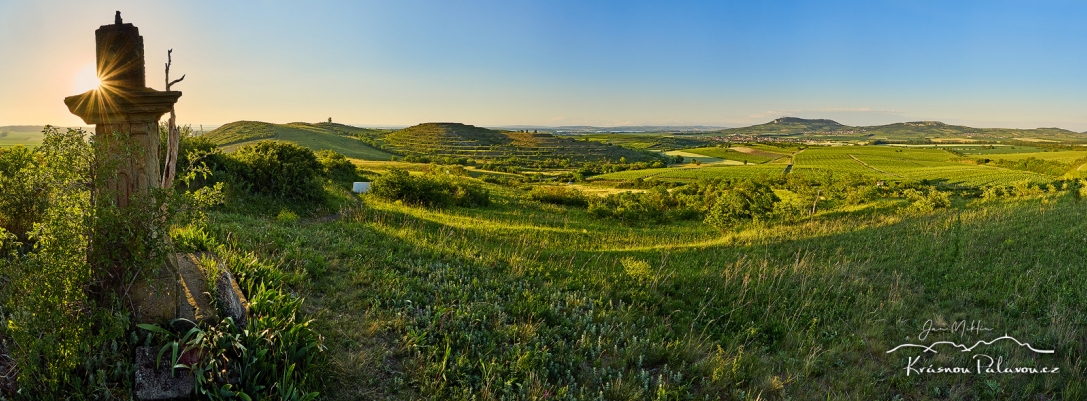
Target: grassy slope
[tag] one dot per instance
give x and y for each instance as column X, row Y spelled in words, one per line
column 26, row 135
column 314, row 136
column 460, row 140
column 523, row 300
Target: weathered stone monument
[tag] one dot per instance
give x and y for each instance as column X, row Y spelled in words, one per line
column 124, row 104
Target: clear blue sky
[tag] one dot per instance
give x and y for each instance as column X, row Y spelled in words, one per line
column 981, row 63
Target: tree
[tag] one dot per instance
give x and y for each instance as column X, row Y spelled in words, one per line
column 747, row 201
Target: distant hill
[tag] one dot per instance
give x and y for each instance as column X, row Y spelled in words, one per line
column 787, row 125
column 26, row 135
column 22, row 128
column 461, row 140
column 588, row 129
column 906, row 131
column 350, row 141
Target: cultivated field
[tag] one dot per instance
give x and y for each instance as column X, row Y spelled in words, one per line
column 882, row 162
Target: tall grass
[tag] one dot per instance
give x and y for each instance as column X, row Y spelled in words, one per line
column 524, row 300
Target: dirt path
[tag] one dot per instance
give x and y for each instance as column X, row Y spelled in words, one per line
column 792, row 161
column 873, row 168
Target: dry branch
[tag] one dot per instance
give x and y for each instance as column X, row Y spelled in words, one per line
column 174, row 138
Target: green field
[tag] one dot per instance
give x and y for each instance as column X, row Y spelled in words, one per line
column 648, row 141
column 909, row 164
column 987, row 149
column 26, row 135
column 1066, row 157
column 890, row 163
column 749, row 155
column 688, row 174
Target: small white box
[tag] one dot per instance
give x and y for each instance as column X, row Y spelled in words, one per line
column 361, row 187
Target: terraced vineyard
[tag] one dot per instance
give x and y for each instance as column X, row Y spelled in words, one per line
column 460, row 140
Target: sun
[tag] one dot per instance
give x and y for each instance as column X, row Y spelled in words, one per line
column 86, row 79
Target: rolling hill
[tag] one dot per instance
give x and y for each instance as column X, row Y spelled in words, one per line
column 801, row 128
column 461, row 140
column 350, row 141
column 26, row 135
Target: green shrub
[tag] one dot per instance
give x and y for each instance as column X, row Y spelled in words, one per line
column 926, row 201
column 655, row 206
column 22, row 197
column 559, row 196
column 747, row 201
column 287, row 216
column 59, row 329
column 433, row 190
column 337, row 167
column 279, row 169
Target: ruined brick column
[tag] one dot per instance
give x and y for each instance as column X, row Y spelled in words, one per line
column 124, row 104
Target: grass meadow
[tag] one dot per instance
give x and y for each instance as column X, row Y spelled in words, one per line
column 523, row 300
column 515, row 299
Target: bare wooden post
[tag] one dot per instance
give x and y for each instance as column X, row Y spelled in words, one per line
column 170, row 168
column 818, row 193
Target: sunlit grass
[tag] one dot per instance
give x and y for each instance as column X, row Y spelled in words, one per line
column 525, row 300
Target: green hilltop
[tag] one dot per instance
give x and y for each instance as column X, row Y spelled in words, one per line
column 350, row 141
column 801, row 128
column 471, row 142
column 787, row 125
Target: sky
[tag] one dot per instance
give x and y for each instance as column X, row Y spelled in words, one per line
column 1016, row 64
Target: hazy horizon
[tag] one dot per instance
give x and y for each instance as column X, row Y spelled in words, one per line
column 1002, row 65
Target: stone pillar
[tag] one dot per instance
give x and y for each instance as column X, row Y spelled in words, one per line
column 124, row 104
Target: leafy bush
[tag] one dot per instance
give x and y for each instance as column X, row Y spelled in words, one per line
column 337, row 167
column 1033, row 164
column 22, row 197
column 433, row 190
column 279, row 169
column 747, row 201
column 656, row 206
column 559, row 196
column 926, row 201
column 70, row 340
